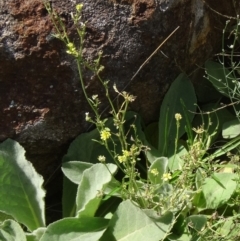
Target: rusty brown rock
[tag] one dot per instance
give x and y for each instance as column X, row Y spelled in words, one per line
column 41, row 102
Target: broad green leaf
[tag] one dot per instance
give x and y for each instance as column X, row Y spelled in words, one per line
column 231, row 129
column 199, row 200
column 21, row 189
column 108, row 207
column 74, row 229
column 197, row 222
column 178, row 228
column 130, row 223
column 151, row 133
column 11, row 231
column 113, row 188
column 186, row 236
column 36, row 234
column 218, row 189
column 160, row 165
column 4, row 216
column 152, row 154
column 220, row 77
column 181, row 91
column 73, row 170
column 93, row 183
column 84, row 149
column 176, row 161
column 69, row 198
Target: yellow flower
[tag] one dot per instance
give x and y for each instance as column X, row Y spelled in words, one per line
column 178, row 117
column 126, row 153
column 166, row 176
column 79, row 7
column 154, row 171
column 72, row 49
column 105, row 134
column 122, row 159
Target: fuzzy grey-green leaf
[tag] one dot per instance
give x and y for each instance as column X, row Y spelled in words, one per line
column 94, row 180
column 21, row 189
column 75, row 229
column 130, row 223
column 11, row 231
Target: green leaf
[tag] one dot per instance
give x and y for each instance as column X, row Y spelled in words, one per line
column 73, row 229
column 152, row 154
column 151, row 133
column 219, row 189
column 4, row 216
column 84, row 149
column 199, row 200
column 184, row 237
column 69, row 198
column 220, row 77
column 36, row 234
column 197, row 222
column 178, row 228
column 176, row 161
column 160, row 165
column 180, row 91
column 20, row 187
column 11, row 231
column 73, row 170
column 93, row 183
column 130, row 223
column 231, row 129
column 108, row 207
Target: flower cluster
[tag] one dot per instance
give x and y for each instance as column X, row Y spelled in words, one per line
column 124, row 157
column 72, row 49
column 154, row 171
column 178, row 117
column 105, row 134
column 79, row 7
column 101, row 158
column 166, row 177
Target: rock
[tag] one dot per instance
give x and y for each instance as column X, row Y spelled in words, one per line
column 41, row 102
